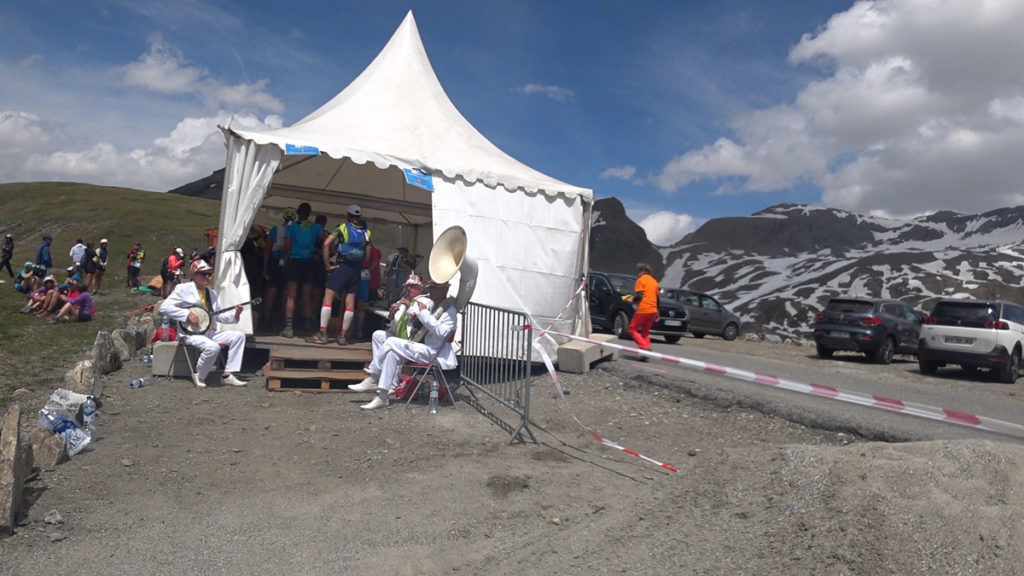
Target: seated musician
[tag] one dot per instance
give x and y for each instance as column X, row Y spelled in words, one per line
column 440, row 326
column 198, row 294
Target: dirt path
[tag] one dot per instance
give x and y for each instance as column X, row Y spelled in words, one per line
column 230, row 481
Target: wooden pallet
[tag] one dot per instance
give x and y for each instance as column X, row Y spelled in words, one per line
column 315, row 369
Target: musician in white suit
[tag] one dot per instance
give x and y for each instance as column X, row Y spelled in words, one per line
column 198, row 293
column 440, row 327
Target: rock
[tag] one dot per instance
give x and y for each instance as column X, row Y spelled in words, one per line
column 82, row 378
column 48, row 448
column 147, row 328
column 53, row 517
column 122, row 347
column 15, row 466
column 104, row 357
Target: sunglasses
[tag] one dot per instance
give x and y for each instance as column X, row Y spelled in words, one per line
column 205, row 273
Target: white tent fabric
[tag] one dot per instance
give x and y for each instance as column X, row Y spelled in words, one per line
column 532, row 229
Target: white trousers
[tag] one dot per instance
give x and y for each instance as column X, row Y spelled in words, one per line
column 394, row 353
column 377, row 345
column 209, row 346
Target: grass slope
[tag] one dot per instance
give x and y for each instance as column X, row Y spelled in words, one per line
column 34, row 354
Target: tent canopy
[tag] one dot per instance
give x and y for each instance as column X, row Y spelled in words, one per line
column 356, row 148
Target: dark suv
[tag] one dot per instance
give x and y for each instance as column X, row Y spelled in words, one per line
column 878, row 328
column 609, row 311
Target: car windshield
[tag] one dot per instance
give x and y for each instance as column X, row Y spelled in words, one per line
column 850, row 306
column 623, row 284
column 965, row 313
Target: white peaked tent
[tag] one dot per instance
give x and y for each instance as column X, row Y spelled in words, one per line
column 526, row 231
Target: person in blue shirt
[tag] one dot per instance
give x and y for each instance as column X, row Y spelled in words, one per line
column 43, row 258
column 302, row 241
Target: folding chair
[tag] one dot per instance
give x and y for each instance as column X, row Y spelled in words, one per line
column 218, row 363
column 421, row 370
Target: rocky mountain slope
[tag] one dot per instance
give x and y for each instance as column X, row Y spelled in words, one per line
column 777, row 267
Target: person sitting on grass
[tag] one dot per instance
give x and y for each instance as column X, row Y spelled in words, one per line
column 25, row 281
column 38, row 296
column 55, row 299
column 78, row 308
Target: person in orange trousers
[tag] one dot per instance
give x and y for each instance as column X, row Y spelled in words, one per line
column 645, row 298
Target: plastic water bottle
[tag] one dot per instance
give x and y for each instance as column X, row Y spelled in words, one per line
column 140, row 382
column 146, row 358
column 434, row 389
column 59, row 423
column 88, row 414
column 165, row 329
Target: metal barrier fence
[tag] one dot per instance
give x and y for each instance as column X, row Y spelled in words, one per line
column 495, row 360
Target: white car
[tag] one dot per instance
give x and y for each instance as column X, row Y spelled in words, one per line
column 973, row 334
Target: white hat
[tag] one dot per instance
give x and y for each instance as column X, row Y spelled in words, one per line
column 104, row 241
column 180, row 252
column 413, row 280
column 200, row 266
column 355, row 210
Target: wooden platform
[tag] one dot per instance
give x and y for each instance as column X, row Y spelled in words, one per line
column 316, row 368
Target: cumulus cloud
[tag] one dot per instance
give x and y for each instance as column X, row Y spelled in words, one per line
column 626, row 172
column 921, row 103
column 165, row 70
column 553, row 92
column 665, row 228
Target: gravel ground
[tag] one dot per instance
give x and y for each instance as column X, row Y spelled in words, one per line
column 242, row 480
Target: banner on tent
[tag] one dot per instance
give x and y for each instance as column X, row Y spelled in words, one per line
column 419, row 179
column 293, row 150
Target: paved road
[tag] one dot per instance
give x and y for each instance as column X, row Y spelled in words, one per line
column 950, row 388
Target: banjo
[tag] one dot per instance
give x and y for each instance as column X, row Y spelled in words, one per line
column 203, row 324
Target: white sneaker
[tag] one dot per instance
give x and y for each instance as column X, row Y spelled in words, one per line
column 230, row 379
column 369, row 384
column 375, row 403
column 198, row 381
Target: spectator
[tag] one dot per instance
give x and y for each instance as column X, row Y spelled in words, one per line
column 87, row 266
column 55, row 299
column 25, row 281
column 300, row 249
column 43, row 257
column 38, row 296
column 76, row 253
column 102, row 256
column 273, row 270
column 136, row 256
column 368, row 286
column 170, row 270
column 77, row 308
column 8, row 253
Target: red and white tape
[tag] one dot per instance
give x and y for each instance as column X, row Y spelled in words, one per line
column 957, row 417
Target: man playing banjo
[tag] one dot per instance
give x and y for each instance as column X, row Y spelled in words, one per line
column 189, row 305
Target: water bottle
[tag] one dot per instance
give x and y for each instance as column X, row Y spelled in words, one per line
column 146, row 358
column 165, row 329
column 140, row 382
column 88, row 414
column 434, row 389
column 59, row 423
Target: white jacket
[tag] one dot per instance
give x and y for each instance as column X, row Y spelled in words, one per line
column 186, row 296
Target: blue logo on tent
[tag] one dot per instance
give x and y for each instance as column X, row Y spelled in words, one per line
column 419, row 179
column 293, row 150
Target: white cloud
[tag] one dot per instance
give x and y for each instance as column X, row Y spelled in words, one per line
column 923, row 104
column 20, row 131
column 553, row 92
column 665, row 228
column 621, row 173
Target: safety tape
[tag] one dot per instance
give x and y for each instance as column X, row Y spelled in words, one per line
column 957, row 417
column 558, row 385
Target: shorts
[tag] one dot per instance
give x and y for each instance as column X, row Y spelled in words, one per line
column 344, row 279
column 319, row 272
column 19, row 288
column 300, row 271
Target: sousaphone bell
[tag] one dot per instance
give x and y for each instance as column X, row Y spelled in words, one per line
column 448, row 257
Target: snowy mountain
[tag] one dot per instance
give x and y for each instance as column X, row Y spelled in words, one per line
column 778, row 267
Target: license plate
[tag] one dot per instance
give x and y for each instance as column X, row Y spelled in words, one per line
column 838, row 334
column 958, row 340
column 673, row 322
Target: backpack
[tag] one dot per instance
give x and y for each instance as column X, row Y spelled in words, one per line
column 352, row 242
column 165, row 267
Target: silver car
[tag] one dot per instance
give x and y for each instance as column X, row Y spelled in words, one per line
column 705, row 314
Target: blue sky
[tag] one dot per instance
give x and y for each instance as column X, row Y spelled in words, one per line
column 684, row 110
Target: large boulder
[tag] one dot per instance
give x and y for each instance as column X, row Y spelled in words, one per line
column 15, row 466
column 49, row 449
column 122, row 348
column 82, row 378
column 104, row 356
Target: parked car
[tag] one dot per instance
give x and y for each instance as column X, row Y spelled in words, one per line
column 973, row 334
column 705, row 315
column 879, row 328
column 609, row 311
